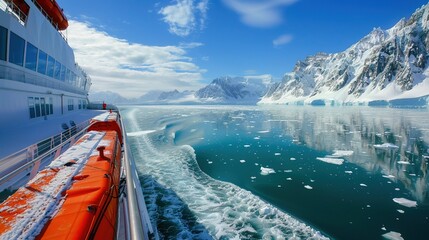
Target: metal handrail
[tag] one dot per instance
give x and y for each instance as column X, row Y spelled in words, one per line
column 39, row 158
column 135, row 199
column 12, row 8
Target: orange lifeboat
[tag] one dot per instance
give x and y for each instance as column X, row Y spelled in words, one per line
column 54, row 12
column 76, row 196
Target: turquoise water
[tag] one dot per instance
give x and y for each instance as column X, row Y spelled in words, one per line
column 244, row 172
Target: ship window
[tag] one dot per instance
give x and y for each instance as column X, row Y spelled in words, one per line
column 41, row 65
column 17, row 45
column 43, row 106
column 51, row 63
column 31, row 107
column 70, row 105
column 3, row 43
column 68, row 76
column 63, row 73
column 31, row 57
column 37, row 106
column 51, row 106
column 57, row 70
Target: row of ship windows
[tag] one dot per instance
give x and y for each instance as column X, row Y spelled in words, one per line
column 35, row 59
column 40, row 106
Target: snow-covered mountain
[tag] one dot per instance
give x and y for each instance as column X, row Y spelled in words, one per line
column 224, row 90
column 238, row 90
column 385, row 65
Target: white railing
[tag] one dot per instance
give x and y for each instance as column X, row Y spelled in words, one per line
column 140, row 226
column 19, row 167
column 10, row 7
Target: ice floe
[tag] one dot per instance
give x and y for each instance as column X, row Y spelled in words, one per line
column 342, row 153
column 266, row 171
column 392, row 236
column 405, row 202
column 242, row 161
column 385, row 146
column 308, row 187
column 336, row 161
column 363, row 185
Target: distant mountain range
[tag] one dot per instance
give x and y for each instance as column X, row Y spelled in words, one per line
column 386, row 67
column 223, row 90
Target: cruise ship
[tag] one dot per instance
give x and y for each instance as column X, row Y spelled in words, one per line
column 51, row 141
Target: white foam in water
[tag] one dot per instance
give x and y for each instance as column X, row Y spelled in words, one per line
column 405, row 202
column 266, row 171
column 392, row 236
column 139, row 133
column 336, row 161
column 222, row 210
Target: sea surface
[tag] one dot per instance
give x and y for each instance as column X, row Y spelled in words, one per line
column 282, row 172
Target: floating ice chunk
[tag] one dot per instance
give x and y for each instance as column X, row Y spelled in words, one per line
column 308, row 187
column 392, row 236
column 349, row 172
column 277, row 154
column 405, row 202
column 242, row 161
column 386, row 146
column 266, row 171
column 209, row 162
column 288, row 171
column 389, row 176
column 403, row 162
column 363, row 185
column 264, row 131
column 256, row 138
column 400, row 211
column 397, row 189
column 252, row 177
column 342, row 153
column 337, row 161
column 383, row 228
column 289, row 179
column 247, row 146
column 292, row 159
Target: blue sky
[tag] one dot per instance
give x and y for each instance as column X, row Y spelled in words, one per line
column 135, row 46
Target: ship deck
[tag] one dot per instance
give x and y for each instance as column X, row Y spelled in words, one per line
column 16, row 137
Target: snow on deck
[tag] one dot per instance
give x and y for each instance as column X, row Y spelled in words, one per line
column 15, row 138
column 45, row 202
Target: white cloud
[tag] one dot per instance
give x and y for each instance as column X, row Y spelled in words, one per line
column 283, row 39
column 259, row 13
column 182, row 16
column 131, row 69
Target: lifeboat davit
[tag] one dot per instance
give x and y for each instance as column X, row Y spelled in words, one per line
column 54, row 12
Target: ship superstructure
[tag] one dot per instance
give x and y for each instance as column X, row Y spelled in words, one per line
column 39, row 77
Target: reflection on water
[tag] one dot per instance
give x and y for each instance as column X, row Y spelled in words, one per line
column 362, row 130
column 352, row 172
